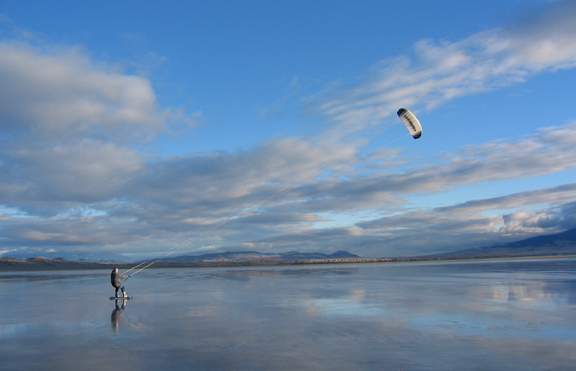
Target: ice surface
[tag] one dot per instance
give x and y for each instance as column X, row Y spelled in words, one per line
column 502, row 314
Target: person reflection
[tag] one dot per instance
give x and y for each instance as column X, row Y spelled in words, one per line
column 115, row 316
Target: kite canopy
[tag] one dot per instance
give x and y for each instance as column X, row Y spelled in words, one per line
column 411, row 122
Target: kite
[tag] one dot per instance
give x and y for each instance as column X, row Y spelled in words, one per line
column 411, row 122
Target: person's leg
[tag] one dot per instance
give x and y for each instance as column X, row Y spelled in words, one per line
column 116, row 294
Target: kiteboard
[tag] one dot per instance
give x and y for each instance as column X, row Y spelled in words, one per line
column 121, row 298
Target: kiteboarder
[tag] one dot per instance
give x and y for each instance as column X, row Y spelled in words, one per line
column 115, row 281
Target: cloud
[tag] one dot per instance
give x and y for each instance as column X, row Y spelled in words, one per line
column 80, row 172
column 478, row 222
column 69, row 127
column 223, row 183
column 271, row 218
column 439, row 71
column 61, row 92
column 543, row 153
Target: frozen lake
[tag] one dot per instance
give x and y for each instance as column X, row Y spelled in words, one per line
column 507, row 314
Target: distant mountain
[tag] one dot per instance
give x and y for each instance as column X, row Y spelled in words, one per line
column 563, row 243
column 557, row 244
column 242, row 258
column 257, row 256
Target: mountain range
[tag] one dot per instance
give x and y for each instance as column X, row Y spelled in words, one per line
column 558, row 244
column 257, row 256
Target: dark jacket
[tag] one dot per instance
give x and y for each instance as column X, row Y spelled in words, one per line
column 115, row 279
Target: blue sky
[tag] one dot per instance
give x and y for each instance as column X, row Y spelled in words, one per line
column 141, row 128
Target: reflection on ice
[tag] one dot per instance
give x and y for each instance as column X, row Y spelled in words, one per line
column 522, row 292
column 351, row 304
column 119, row 306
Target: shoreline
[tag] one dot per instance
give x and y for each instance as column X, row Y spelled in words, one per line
column 46, row 264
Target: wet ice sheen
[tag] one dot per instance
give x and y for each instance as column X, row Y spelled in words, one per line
column 502, row 314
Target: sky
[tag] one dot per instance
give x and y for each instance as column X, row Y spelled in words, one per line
column 144, row 129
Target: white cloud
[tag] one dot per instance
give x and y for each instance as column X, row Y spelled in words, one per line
column 82, row 171
column 441, row 71
column 61, row 92
column 68, row 126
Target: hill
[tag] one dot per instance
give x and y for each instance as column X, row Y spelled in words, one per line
column 256, row 256
column 557, row 244
column 243, row 258
column 563, row 243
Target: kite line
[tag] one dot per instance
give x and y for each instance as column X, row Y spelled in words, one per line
column 407, row 117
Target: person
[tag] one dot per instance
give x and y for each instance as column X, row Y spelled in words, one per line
column 115, row 281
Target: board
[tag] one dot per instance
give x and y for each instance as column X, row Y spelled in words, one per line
column 121, row 298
